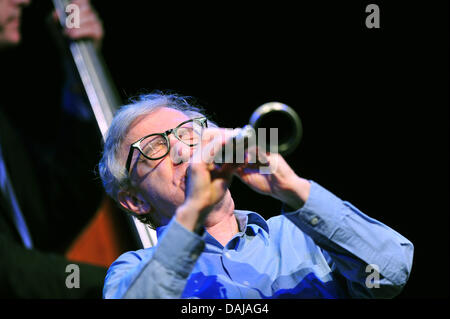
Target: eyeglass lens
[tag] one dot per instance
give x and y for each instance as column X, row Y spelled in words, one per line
column 156, row 146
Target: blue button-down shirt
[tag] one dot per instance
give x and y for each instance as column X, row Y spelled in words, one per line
column 326, row 249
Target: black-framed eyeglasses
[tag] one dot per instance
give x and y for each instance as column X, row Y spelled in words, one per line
column 156, row 146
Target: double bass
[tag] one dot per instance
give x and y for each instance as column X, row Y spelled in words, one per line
column 102, row 241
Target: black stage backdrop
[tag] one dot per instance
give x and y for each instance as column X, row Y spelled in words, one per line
column 373, row 102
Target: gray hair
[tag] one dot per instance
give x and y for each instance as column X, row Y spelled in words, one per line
column 112, row 170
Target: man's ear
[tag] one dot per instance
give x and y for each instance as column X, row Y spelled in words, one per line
column 134, row 202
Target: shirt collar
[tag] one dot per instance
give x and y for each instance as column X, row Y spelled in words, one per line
column 160, row 230
column 246, row 220
column 250, row 223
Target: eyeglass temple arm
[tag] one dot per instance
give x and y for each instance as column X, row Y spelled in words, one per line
column 130, row 157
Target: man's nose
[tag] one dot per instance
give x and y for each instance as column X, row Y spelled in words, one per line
column 179, row 152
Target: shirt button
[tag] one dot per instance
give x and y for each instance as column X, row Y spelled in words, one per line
column 314, row 221
column 246, row 283
column 194, row 255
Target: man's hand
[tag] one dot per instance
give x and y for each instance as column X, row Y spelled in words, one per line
column 281, row 183
column 206, row 183
column 91, row 26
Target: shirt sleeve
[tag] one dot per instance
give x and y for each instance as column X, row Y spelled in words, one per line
column 159, row 272
column 374, row 260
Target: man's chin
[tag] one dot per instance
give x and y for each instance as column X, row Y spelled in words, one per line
column 10, row 40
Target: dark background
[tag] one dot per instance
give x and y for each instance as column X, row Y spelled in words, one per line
column 373, row 102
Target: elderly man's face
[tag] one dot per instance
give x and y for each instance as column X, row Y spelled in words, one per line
column 159, row 184
column 10, row 18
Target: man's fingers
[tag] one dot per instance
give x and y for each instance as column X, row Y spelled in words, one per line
column 212, row 142
column 87, row 18
column 94, row 32
column 90, row 25
column 83, row 4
